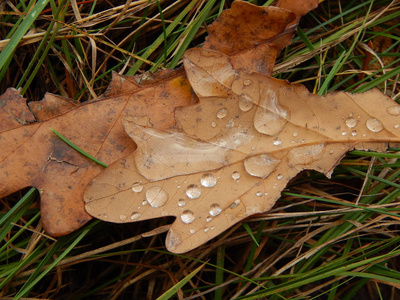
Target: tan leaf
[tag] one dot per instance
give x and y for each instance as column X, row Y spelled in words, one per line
column 235, row 151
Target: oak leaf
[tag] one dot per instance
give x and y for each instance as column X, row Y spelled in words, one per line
column 236, row 149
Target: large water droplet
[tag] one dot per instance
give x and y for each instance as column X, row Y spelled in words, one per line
column 374, row 125
column 393, row 110
column 261, row 165
column 215, row 210
column 135, row 216
column 222, row 113
column 236, row 175
column 156, row 196
column 187, row 217
column 235, row 204
column 208, row 180
column 245, row 102
column 351, row 122
column 193, row 191
column 307, row 154
column 137, row 187
column 181, row 202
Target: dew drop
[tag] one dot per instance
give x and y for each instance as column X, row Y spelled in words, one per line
column 206, row 229
column 295, row 133
column 393, row 110
column 277, row 141
column 135, row 216
column 236, row 175
column 215, row 210
column 222, row 113
column 396, row 126
column 266, row 194
column 137, row 187
column 235, row 204
column 144, row 202
column 187, row 216
column 245, row 102
column 192, row 231
column 280, row 176
column 259, row 194
column 208, row 219
column 260, row 165
column 351, row 122
column 213, row 124
column 122, row 217
column 156, row 196
column 247, row 82
column 193, row 191
column 181, row 202
column 230, row 124
column 354, row 133
column 344, row 133
column 374, row 125
column 212, row 227
column 208, row 180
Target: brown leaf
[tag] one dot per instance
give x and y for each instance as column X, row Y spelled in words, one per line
column 34, row 156
column 236, row 150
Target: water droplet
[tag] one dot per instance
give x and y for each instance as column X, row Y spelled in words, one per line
column 208, row 219
column 247, row 82
column 245, row 102
column 187, row 217
column 208, row 180
column 261, row 165
column 222, row 113
column 215, row 210
column 354, row 133
column 344, row 133
column 235, row 204
column 351, row 122
column 295, row 133
column 122, row 217
column 280, row 176
column 393, row 110
column 396, row 126
column 307, row 154
column 277, row 142
column 266, row 194
column 213, row 124
column 206, row 229
column 193, row 191
column 135, row 216
column 144, row 202
column 374, row 125
column 230, row 124
column 259, row 194
column 156, row 196
column 236, row 175
column 192, row 231
column 212, row 227
column 181, row 202
column 137, row 187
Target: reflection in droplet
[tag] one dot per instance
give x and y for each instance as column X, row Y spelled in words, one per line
column 135, row 216
column 374, row 125
column 236, row 175
column 156, row 196
column 208, row 180
column 261, row 165
column 235, row 204
column 137, row 187
column 122, row 217
column 222, row 113
column 187, row 217
column 245, row 102
column 393, row 110
column 181, row 202
column 215, row 210
column 351, row 122
column 193, row 191
column 277, row 141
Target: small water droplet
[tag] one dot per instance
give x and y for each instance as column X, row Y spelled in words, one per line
column 137, row 187
column 354, row 133
column 396, row 126
column 235, row 204
column 295, row 133
column 122, row 217
column 144, row 202
column 393, row 110
column 247, row 82
column 208, row 219
column 280, row 176
column 187, row 217
column 266, row 194
column 212, row 227
column 351, row 122
column 206, row 229
column 135, row 216
column 374, row 125
column 236, row 175
column 259, row 194
column 222, row 113
column 156, row 196
column 192, row 231
column 193, row 191
column 303, row 141
column 213, row 124
column 245, row 102
column 215, row 210
column 181, row 202
column 344, row 133
column 208, row 180
column 277, row 141
column 230, row 124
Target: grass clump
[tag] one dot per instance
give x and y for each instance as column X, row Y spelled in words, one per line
column 325, row 239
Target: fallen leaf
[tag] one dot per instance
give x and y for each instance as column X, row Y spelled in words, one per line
column 236, row 150
column 32, row 155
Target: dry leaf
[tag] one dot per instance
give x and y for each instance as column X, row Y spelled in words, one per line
column 236, row 150
column 32, row 155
